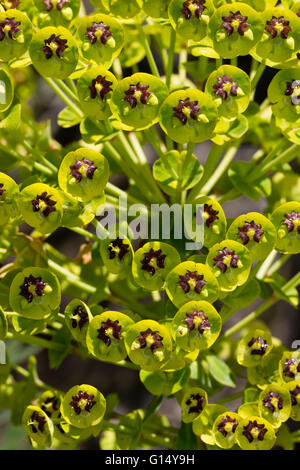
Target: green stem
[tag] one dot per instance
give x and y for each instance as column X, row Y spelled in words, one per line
column 258, row 73
column 229, row 399
column 84, row 233
column 70, row 277
column 266, row 265
column 63, row 96
column 149, row 54
column 268, row 163
column 171, row 57
column 278, row 264
column 73, row 97
column 44, row 343
column 220, row 170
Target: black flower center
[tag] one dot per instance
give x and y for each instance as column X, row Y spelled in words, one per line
column 118, row 248
column 38, row 422
column 195, row 403
column 192, row 281
column 258, row 346
column 253, row 430
column 43, row 203
column 2, row 191
column 278, row 27
column 49, row 4
column 291, row 368
column 137, row 94
column 100, row 86
column 212, row 215
column 186, row 109
column 98, row 32
column 153, row 260
column 250, row 231
column 225, row 86
column 293, row 90
column 292, row 221
column 54, row 45
column 235, row 22
column 197, row 320
column 82, row 401
column 82, row 168
column 273, row 401
column 150, row 339
column 80, row 317
column 294, row 395
column 193, row 7
column 227, row 425
column 50, row 405
column 32, row 286
column 225, row 259
column 108, row 330
column 9, row 27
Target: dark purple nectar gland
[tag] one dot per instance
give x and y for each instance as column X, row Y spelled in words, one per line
column 186, row 109
column 80, row 317
column 291, row 368
column 2, row 191
column 150, row 339
column 195, row 403
column 100, row 86
column 38, row 422
column 273, row 402
column 43, row 203
column 137, row 94
column 152, row 261
column 9, row 27
column 258, row 346
column 118, row 248
column 253, row 430
column 49, row 4
column 295, row 396
column 54, row 45
column 210, row 215
column 278, row 27
column 192, row 281
column 292, row 221
column 32, row 286
column 250, row 231
column 225, row 86
column 50, row 405
column 197, row 320
column 98, row 32
column 235, row 23
column 82, row 402
column 108, row 330
column 293, row 90
column 10, row 4
column 193, row 7
column 225, row 259
column 227, row 425
column 83, row 168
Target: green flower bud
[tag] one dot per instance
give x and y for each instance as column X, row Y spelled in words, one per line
column 148, row 344
column 193, row 403
column 41, row 207
column 254, row 347
column 293, row 388
column 154, row 8
column 191, row 281
column 77, row 213
column 77, row 318
column 6, row 88
column 230, row 262
column 83, row 406
column 106, row 334
column 286, row 219
column 83, row 174
column 35, row 293
column 274, row 404
column 124, row 9
column 266, row 372
column 255, row 433
column 54, row 52
column 224, row 429
column 284, row 93
column 38, row 426
column 255, row 232
column 289, row 366
column 137, row 99
column 203, row 426
column 230, row 88
column 196, row 325
column 101, row 38
column 152, row 263
column 9, row 192
column 188, row 116
column 15, row 34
